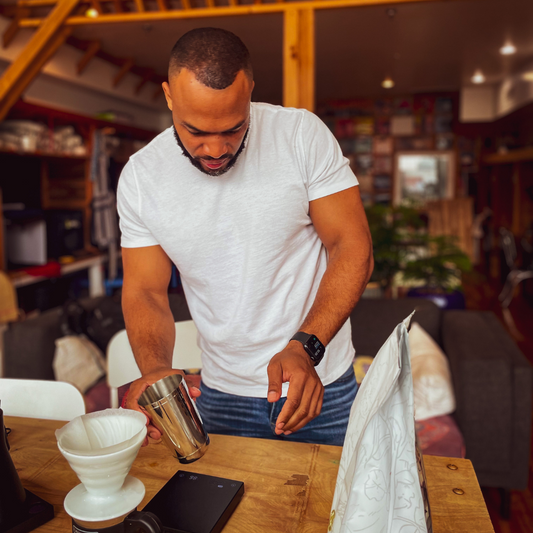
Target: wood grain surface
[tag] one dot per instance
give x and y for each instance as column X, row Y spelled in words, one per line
column 288, row 486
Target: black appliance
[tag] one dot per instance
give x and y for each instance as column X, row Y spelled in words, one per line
column 20, row 510
column 64, row 232
column 195, row 503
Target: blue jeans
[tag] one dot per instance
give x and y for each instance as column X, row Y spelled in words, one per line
column 228, row 414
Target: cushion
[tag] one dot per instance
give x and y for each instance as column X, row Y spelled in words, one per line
column 440, row 436
column 432, row 384
column 361, row 364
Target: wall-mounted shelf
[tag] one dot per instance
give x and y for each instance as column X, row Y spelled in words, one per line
column 44, row 155
column 54, row 180
column 513, row 156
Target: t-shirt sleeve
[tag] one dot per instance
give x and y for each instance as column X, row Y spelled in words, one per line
column 134, row 233
column 326, row 170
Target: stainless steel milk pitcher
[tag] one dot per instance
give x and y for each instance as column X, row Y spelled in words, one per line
column 174, row 414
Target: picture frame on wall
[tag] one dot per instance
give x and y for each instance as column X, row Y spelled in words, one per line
column 423, row 176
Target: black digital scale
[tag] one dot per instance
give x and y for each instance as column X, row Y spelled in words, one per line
column 196, row 503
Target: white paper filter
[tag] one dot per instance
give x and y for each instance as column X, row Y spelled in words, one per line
column 102, row 432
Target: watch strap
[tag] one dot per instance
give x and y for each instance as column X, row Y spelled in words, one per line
column 301, row 336
column 312, row 345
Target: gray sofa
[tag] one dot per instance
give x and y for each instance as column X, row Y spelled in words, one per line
column 492, row 379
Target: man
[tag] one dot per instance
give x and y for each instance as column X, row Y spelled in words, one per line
column 261, row 214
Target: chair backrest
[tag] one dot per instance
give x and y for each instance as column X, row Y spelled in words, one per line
column 122, row 367
column 35, row 398
column 509, row 247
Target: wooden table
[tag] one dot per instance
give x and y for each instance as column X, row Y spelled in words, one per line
column 288, row 486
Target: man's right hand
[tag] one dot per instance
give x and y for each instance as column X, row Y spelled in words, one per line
column 141, row 384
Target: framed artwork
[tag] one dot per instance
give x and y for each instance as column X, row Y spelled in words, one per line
column 383, row 164
column 383, row 125
column 364, row 125
column 383, row 145
column 403, row 105
column 363, row 145
column 402, row 125
column 382, row 182
column 363, row 163
column 423, row 176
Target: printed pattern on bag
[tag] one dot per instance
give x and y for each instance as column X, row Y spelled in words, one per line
column 378, row 487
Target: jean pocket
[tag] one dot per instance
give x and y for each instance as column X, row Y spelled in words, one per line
column 274, row 413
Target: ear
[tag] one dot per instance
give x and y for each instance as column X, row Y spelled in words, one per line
column 166, row 90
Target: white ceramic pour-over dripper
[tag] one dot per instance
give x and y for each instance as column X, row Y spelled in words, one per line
column 101, row 447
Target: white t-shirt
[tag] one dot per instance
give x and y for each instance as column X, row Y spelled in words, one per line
column 248, row 254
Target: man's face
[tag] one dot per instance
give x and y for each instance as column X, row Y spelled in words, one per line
column 211, row 124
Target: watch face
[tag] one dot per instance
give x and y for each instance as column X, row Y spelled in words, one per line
column 315, row 349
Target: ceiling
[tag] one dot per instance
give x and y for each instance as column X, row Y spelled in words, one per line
column 430, row 46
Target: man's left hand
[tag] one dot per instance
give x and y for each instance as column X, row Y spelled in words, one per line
column 306, row 392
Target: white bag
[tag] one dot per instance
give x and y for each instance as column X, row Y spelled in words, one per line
column 381, row 485
column 79, row 361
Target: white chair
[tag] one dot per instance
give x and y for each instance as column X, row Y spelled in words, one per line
column 122, row 367
column 35, row 398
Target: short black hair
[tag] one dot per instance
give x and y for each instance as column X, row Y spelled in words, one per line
column 214, row 55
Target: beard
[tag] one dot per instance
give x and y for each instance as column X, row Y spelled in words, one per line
column 195, row 161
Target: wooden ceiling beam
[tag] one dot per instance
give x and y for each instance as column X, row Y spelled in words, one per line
column 139, row 5
column 148, row 76
column 14, row 25
column 38, row 50
column 126, row 67
column 90, row 53
column 9, row 94
column 161, row 4
column 218, row 11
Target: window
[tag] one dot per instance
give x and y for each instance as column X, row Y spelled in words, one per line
column 423, row 176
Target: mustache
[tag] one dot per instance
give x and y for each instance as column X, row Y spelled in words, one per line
column 230, row 159
column 225, row 157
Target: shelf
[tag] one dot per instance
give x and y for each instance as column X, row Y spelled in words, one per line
column 20, row 278
column 45, row 155
column 513, row 156
column 68, row 204
column 27, row 110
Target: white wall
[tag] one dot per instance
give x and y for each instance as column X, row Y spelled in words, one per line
column 478, row 104
column 515, row 92
column 485, row 103
column 59, row 86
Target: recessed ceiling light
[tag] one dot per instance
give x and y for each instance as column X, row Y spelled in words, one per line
column 92, row 13
column 387, row 83
column 478, row 77
column 528, row 76
column 508, row 49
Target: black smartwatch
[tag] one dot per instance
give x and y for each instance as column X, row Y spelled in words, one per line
column 314, row 348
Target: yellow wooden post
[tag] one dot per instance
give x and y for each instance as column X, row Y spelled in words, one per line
column 299, row 58
column 43, row 44
column 307, row 59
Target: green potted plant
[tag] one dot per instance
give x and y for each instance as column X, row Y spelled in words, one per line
column 437, row 272
column 405, row 255
column 394, row 231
